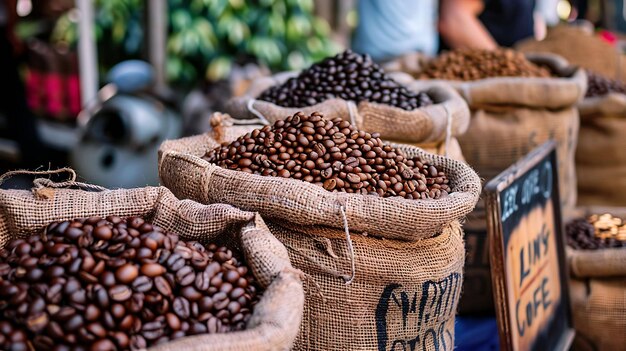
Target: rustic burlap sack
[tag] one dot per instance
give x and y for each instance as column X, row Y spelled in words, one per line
column 403, row 297
column 183, row 171
column 512, row 115
column 434, row 128
column 276, row 318
column 601, row 151
column 598, row 291
column 404, row 268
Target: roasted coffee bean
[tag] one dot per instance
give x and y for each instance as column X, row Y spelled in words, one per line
column 596, row 232
column 342, row 159
column 152, row 269
column 349, row 76
column 118, row 284
column 598, row 85
column 474, row 64
column 142, row 284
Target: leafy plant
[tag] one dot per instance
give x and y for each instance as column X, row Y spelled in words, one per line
column 206, row 37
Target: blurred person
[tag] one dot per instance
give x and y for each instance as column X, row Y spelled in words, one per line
column 391, row 28
column 486, row 24
column 13, row 105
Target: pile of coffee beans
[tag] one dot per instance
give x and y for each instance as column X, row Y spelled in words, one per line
column 473, row 64
column 349, row 76
column 117, row 284
column 596, row 232
column 332, row 154
column 598, row 85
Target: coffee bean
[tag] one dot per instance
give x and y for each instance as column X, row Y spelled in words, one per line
column 152, row 269
column 103, row 233
column 474, row 64
column 351, row 160
column 342, row 76
column 120, row 293
column 103, row 345
column 71, row 292
column 181, row 307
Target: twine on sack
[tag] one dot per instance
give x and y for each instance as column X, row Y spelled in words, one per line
column 44, row 187
column 256, row 112
column 350, row 247
column 10, row 174
column 448, row 130
column 351, row 105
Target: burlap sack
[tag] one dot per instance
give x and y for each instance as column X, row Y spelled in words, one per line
column 601, row 152
column 509, row 117
column 276, row 318
column 513, row 115
column 598, row 292
column 183, row 171
column 404, row 267
column 434, row 128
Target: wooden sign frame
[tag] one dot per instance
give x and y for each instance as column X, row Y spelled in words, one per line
column 497, row 240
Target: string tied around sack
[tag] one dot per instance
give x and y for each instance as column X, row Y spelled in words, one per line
column 348, row 280
column 254, row 111
column 448, row 131
column 44, row 187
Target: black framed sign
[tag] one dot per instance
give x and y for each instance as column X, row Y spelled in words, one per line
column 528, row 266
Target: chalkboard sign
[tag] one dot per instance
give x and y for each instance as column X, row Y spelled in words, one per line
column 528, row 256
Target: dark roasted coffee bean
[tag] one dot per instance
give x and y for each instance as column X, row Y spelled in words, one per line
column 181, row 307
column 71, row 292
column 142, row 284
column 353, row 161
column 342, row 76
column 120, row 293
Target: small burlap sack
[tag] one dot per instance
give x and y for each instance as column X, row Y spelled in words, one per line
column 433, row 128
column 394, row 285
column 601, row 151
column 276, row 318
column 598, row 292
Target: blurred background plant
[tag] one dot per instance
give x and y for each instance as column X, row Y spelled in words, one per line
column 207, row 37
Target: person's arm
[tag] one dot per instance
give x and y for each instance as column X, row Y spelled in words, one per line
column 459, row 25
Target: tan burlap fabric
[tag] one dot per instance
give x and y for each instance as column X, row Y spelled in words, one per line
column 403, row 277
column 511, row 116
column 601, row 151
column 598, row 291
column 431, row 125
column 276, row 318
column 188, row 176
column 403, row 297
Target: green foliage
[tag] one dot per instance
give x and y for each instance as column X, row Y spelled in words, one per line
column 208, row 36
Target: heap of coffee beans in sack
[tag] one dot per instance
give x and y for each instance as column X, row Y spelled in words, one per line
column 332, row 154
column 117, row 284
column 596, row 232
column 349, row 76
column 598, row 85
column 475, row 64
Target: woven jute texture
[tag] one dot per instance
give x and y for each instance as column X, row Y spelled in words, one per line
column 276, row 318
column 447, row 118
column 512, row 115
column 183, row 171
column 403, row 297
column 601, row 150
column 598, row 291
